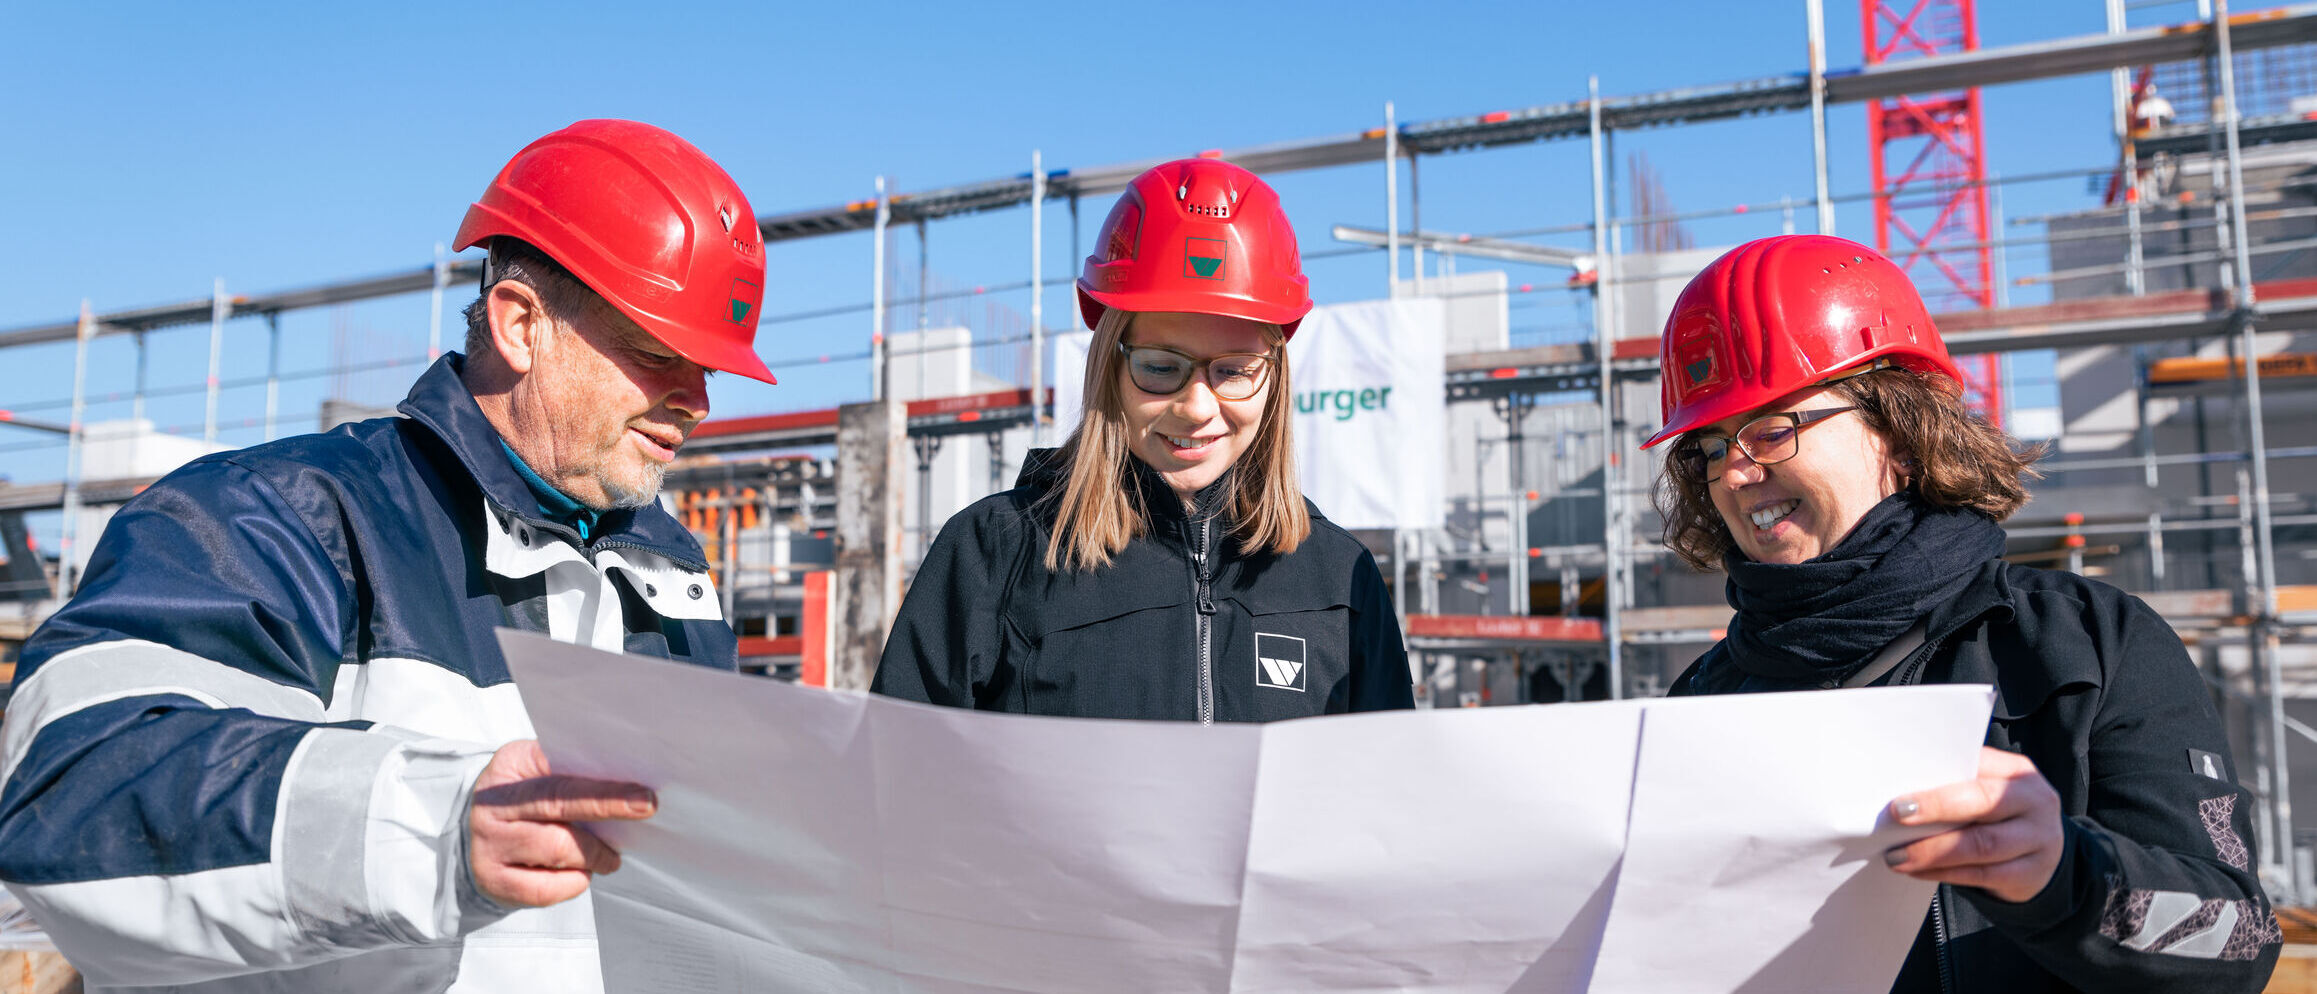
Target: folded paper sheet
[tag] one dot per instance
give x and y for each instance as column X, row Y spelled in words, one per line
column 814, row 841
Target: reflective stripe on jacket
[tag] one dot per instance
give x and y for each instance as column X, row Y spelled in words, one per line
column 239, row 759
column 2156, row 888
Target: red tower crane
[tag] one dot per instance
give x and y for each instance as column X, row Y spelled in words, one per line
column 1936, row 200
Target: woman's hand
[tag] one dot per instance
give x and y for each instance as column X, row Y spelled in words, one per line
column 2007, row 840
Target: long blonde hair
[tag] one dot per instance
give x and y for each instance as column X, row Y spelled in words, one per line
column 1099, row 510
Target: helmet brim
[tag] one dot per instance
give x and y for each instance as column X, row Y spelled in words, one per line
column 1091, row 304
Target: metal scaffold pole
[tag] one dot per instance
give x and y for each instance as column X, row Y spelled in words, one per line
column 217, row 311
column 1400, row 577
column 442, row 278
column 924, row 280
column 1037, row 296
column 2128, row 180
column 273, row 369
column 68, row 542
column 879, row 356
column 1604, row 347
column 1391, row 203
column 1817, row 14
column 137, row 398
column 1416, row 225
column 2263, row 632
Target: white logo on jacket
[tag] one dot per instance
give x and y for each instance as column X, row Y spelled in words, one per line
column 1279, row 661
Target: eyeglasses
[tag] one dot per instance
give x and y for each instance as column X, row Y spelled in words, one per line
column 1162, row 371
column 1767, row 440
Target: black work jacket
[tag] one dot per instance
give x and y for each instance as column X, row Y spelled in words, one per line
column 1183, row 624
column 2156, row 889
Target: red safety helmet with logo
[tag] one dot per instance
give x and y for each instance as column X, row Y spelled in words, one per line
column 1199, row 236
column 648, row 222
column 1779, row 315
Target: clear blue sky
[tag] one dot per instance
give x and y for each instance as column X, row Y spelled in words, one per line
column 154, row 147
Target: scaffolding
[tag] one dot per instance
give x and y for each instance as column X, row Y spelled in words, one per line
column 798, row 495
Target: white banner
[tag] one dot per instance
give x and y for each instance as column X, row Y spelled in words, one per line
column 1371, row 410
column 1069, row 383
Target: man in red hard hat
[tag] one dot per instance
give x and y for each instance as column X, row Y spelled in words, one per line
column 272, row 745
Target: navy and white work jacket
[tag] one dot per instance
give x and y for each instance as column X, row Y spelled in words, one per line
column 240, row 758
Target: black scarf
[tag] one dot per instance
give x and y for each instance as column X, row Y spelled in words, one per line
column 1802, row 625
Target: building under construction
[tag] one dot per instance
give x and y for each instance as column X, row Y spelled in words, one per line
column 2170, row 472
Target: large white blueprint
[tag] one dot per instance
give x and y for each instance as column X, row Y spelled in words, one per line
column 817, row 841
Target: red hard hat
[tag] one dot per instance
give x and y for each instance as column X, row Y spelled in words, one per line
column 1200, row 236
column 1778, row 315
column 646, row 221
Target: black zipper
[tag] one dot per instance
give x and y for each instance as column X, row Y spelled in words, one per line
column 588, row 549
column 1939, row 940
column 1908, row 676
column 690, row 565
column 1204, row 571
column 1911, row 672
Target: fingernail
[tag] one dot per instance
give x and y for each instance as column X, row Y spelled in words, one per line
column 1893, row 857
column 1904, row 807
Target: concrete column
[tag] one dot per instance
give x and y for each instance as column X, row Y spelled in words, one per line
column 867, row 587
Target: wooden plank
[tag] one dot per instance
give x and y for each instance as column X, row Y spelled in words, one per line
column 1510, row 628
column 758, row 646
column 814, row 627
column 1686, row 618
column 1535, row 355
column 2191, row 603
column 789, row 421
column 2087, row 309
column 2296, row 971
column 26, row 972
column 2296, row 598
column 2195, row 369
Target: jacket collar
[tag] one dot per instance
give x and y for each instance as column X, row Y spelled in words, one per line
column 1164, row 506
column 1044, row 471
column 441, row 401
column 2022, row 683
column 1989, row 594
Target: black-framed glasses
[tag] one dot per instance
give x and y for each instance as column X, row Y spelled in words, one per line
column 1156, row 369
column 1767, row 440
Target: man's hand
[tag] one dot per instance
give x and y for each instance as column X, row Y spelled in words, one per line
column 521, row 845
column 2008, row 838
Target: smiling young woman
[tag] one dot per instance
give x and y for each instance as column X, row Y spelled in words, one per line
column 1822, row 456
column 1163, row 563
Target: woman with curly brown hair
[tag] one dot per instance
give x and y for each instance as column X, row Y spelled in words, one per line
column 1822, row 455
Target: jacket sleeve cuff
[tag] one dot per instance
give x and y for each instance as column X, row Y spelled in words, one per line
column 475, row 908
column 2061, row 897
column 373, row 848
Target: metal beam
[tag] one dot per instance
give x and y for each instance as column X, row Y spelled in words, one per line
column 50, row 496
column 2193, row 139
column 199, row 311
column 1493, row 248
column 1572, row 119
column 1545, row 122
column 2070, row 56
column 10, row 418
